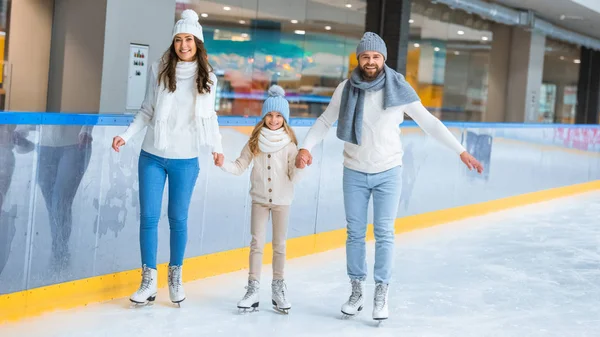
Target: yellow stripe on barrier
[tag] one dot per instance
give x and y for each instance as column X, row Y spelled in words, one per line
column 16, row 306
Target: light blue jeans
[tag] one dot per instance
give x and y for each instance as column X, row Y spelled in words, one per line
column 153, row 171
column 385, row 188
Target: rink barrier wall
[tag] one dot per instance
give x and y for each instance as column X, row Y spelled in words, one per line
column 529, row 163
column 97, row 289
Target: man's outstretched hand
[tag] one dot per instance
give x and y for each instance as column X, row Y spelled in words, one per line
column 303, row 158
column 471, row 162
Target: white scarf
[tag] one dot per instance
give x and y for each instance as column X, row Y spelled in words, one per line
column 270, row 141
column 204, row 113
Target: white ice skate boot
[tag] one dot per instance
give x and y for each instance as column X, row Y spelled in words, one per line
column 176, row 292
column 147, row 291
column 357, row 299
column 380, row 302
column 251, row 298
column 280, row 302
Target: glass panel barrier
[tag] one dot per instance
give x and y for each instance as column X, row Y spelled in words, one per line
column 70, row 205
column 17, row 168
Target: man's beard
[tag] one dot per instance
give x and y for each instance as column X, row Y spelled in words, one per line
column 365, row 75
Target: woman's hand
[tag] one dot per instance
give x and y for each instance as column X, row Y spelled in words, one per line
column 117, row 142
column 218, row 158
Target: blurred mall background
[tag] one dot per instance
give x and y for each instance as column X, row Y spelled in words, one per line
column 74, row 55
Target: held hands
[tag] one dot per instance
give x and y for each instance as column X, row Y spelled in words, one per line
column 303, row 158
column 471, row 162
column 218, row 159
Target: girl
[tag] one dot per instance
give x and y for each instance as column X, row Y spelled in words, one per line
column 272, row 148
column 178, row 110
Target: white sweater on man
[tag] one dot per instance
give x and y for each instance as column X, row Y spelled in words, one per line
column 182, row 142
column 381, row 146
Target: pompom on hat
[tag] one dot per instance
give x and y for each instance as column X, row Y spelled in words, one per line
column 189, row 24
column 276, row 102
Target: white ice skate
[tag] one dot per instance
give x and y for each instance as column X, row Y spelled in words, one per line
column 176, row 292
column 280, row 302
column 357, row 299
column 380, row 302
column 147, row 291
column 251, row 298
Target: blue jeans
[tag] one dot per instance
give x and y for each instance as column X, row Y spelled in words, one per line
column 358, row 187
column 153, row 171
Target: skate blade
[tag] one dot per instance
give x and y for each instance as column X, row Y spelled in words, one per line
column 282, row 311
column 147, row 303
column 136, row 305
column 247, row 310
column 285, row 311
column 346, row 315
column 178, row 303
column 250, row 309
column 379, row 321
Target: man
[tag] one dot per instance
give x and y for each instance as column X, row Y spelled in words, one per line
column 369, row 107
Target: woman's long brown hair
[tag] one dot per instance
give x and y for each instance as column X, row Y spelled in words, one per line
column 169, row 62
column 253, row 142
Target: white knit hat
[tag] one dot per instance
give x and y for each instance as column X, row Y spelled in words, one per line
column 189, row 24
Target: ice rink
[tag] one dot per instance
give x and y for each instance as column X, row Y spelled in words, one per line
column 531, row 271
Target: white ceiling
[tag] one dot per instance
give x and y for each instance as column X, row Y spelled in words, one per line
column 569, row 14
column 591, row 4
column 578, row 15
column 309, row 15
column 427, row 28
column 358, row 5
column 314, row 15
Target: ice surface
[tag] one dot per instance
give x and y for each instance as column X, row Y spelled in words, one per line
column 531, row 271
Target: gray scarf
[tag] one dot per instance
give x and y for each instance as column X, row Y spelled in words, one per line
column 397, row 92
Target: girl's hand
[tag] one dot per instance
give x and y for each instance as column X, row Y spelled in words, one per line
column 117, row 142
column 218, row 159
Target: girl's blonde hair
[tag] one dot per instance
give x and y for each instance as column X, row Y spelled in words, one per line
column 253, row 142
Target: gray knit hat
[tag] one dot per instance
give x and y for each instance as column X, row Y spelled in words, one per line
column 371, row 42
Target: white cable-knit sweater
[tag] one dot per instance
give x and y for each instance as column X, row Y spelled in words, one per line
column 181, row 136
column 381, row 146
column 273, row 174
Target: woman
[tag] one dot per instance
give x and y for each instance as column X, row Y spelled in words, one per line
column 179, row 112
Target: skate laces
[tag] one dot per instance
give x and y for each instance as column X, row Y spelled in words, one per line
column 175, row 276
column 252, row 288
column 279, row 287
column 356, row 292
column 380, row 291
column 146, row 279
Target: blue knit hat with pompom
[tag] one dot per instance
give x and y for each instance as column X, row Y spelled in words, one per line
column 276, row 102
